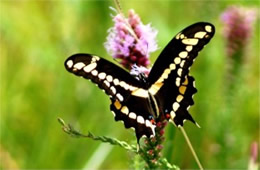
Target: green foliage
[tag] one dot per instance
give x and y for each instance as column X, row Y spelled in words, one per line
column 37, row 36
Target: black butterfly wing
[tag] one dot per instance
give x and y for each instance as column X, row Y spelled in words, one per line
column 178, row 100
column 171, row 70
column 168, row 81
column 115, row 81
column 134, row 111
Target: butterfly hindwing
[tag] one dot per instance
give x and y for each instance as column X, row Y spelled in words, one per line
column 135, row 113
column 178, row 104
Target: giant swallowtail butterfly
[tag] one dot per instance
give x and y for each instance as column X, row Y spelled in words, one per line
column 167, row 91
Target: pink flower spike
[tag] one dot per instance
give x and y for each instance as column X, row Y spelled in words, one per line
column 131, row 40
column 238, row 27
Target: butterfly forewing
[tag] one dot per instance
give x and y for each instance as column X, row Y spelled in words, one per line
column 180, row 52
column 116, row 82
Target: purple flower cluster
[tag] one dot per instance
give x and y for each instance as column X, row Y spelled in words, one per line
column 238, row 27
column 131, row 41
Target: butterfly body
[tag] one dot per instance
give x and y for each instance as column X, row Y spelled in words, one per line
column 166, row 92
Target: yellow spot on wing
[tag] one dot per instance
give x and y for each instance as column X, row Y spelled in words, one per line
column 200, row 34
column 132, row 115
column 166, row 73
column 124, row 85
column 183, row 54
column 172, row 114
column 190, row 41
column 179, row 71
column 125, row 110
column 182, row 63
column 172, row 66
column 148, row 123
column 94, row 72
column 177, row 60
column 140, row 93
column 140, row 119
column 182, row 89
column 132, row 88
column 185, row 82
column 175, row 106
column 179, row 98
column 69, row 63
column 189, row 48
column 96, row 58
column 155, row 88
column 116, row 82
column 178, row 36
column 79, row 65
column 90, row 67
column 120, row 97
column 109, row 78
column 107, row 83
column 208, row 28
column 178, row 81
column 113, row 89
column 117, row 104
column 101, row 75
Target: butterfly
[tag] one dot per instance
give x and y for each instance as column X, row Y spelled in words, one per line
column 166, row 92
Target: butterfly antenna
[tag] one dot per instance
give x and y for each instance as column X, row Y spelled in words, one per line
column 191, row 148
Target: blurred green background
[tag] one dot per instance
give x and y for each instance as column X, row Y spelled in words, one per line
column 37, row 37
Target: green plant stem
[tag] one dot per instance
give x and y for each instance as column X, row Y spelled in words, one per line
column 75, row 133
column 191, row 148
